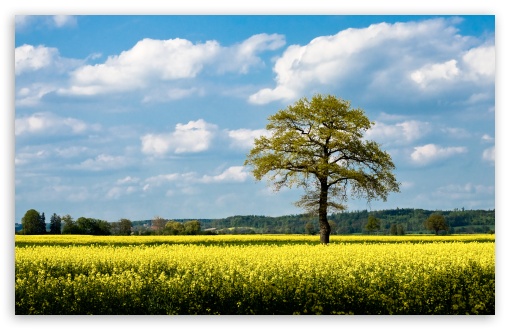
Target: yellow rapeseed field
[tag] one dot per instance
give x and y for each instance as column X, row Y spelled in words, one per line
column 255, row 274
column 238, row 239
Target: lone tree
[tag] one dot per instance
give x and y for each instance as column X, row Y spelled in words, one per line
column 319, row 145
column 55, row 224
column 69, row 225
column 174, row 227
column 436, row 222
column 33, row 223
column 373, row 224
column 310, row 228
column 125, row 226
column 192, row 227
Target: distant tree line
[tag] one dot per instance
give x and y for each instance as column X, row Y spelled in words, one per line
column 34, row 223
column 384, row 222
column 389, row 222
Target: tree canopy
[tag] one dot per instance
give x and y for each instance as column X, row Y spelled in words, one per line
column 55, row 224
column 33, row 223
column 318, row 145
column 436, row 222
column 373, row 224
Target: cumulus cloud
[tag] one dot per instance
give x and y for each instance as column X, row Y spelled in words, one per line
column 127, row 180
column 117, row 192
column 44, row 22
column 103, row 162
column 70, row 152
column 456, row 132
column 487, row 138
column 149, row 59
column 185, row 181
column 231, row 174
column 243, row 138
column 329, row 58
column 64, row 20
column 480, row 62
column 39, row 71
column 24, row 158
column 489, row 155
column 29, row 58
column 195, row 136
column 382, row 54
column 49, row 123
column 46, row 157
column 152, row 61
column 476, row 64
column 433, row 72
column 31, row 95
column 431, row 152
column 241, row 57
column 164, row 178
column 21, row 21
column 400, row 133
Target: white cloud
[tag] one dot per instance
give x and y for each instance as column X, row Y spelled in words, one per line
column 195, row 136
column 103, row 162
column 480, row 62
column 127, row 180
column 117, row 192
column 243, row 138
column 39, row 71
column 149, row 59
column 479, row 97
column 21, row 21
column 400, row 133
column 231, row 174
column 329, row 59
column 428, row 52
column 434, row 72
column 489, row 155
column 407, row 185
column 241, row 57
column 170, row 94
column 487, row 138
column 464, row 192
column 29, row 58
column 23, row 158
column 44, row 21
column 456, row 132
column 64, row 20
column 152, row 61
column 186, row 182
column 431, row 152
column 475, row 65
column 71, row 152
column 51, row 156
column 49, row 123
column 164, row 178
column 32, row 94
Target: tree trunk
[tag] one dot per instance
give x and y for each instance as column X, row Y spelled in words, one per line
column 325, row 229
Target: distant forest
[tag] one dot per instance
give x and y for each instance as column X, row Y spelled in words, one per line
column 390, row 222
column 354, row 222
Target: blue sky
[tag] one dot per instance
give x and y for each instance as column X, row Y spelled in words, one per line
column 140, row 116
